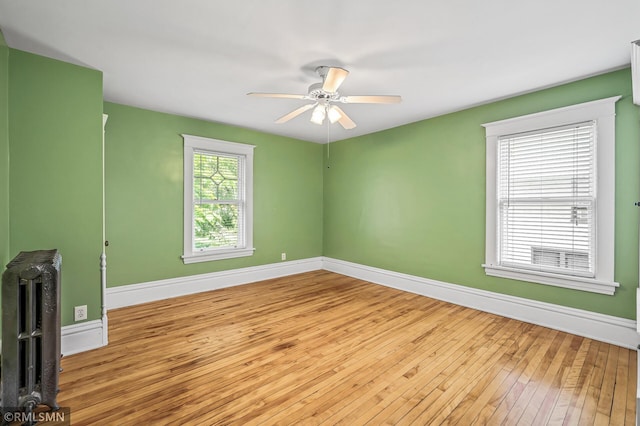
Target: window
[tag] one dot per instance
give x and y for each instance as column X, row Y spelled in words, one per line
column 546, row 198
column 218, row 195
column 550, row 197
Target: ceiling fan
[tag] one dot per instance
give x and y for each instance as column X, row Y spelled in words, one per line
column 324, row 96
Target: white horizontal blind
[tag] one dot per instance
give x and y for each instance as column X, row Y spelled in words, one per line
column 546, row 198
column 218, row 201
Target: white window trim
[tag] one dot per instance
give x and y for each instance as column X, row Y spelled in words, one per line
column 192, row 143
column 603, row 112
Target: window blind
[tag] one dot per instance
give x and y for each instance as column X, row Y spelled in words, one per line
column 546, row 200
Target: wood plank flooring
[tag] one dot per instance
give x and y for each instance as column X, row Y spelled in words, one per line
column 325, row 349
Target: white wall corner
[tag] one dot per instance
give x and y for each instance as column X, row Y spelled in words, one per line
column 605, row 328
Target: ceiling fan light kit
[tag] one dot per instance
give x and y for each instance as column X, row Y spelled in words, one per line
column 324, row 95
column 333, row 114
column 317, row 117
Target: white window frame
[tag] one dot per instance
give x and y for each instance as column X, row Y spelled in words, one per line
column 603, row 112
column 215, row 146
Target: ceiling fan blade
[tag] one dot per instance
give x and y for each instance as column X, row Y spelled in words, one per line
column 276, row 95
column 295, row 113
column 333, row 80
column 344, row 119
column 374, row 99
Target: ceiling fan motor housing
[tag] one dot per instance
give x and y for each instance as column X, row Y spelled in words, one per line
column 316, row 93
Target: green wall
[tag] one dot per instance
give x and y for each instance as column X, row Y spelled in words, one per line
column 4, row 152
column 4, row 158
column 144, row 190
column 412, row 199
column 55, row 136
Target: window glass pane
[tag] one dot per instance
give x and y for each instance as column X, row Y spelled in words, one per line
column 215, row 177
column 215, row 226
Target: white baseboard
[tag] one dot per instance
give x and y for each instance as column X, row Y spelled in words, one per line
column 82, row 337
column 618, row 331
column 128, row 295
column 605, row 328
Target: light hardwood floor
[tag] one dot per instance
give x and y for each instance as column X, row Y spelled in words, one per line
column 321, row 348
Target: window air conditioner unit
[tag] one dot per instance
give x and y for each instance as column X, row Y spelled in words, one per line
column 635, row 71
column 558, row 258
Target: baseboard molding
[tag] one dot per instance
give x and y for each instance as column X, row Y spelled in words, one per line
column 129, row 295
column 605, row 328
column 82, row 337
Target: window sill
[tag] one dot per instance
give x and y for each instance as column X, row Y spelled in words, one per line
column 576, row 283
column 217, row 255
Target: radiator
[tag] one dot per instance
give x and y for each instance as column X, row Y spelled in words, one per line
column 31, row 331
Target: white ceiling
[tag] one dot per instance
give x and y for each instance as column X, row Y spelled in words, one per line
column 199, row 58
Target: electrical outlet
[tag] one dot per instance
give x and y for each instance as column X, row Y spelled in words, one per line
column 283, row 256
column 80, row 313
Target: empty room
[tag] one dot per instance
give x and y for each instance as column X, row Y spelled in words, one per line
column 348, row 212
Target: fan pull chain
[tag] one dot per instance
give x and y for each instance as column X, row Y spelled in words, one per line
column 328, row 142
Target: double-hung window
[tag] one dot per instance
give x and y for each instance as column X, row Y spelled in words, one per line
column 218, row 196
column 550, row 197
